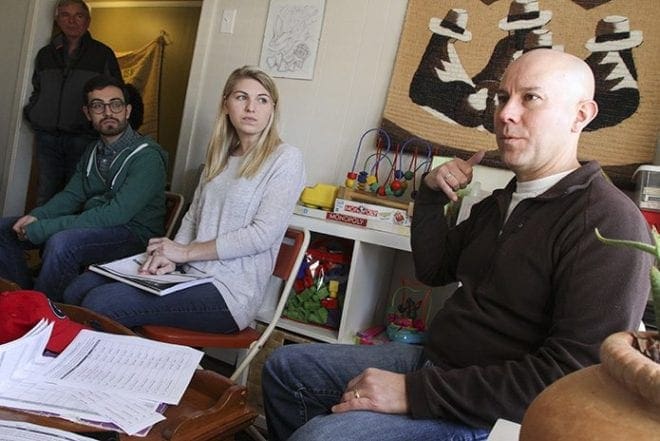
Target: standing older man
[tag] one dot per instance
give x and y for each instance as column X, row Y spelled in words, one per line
column 111, row 207
column 538, row 292
column 55, row 108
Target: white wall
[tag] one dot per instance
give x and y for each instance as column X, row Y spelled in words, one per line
column 25, row 26
column 12, row 22
column 324, row 117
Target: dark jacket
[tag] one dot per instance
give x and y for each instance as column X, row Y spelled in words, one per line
column 133, row 195
column 538, row 293
column 56, row 101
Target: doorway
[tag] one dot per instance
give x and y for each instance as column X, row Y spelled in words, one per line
column 128, row 26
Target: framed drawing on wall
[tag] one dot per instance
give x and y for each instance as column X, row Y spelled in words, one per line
column 291, row 38
column 452, row 54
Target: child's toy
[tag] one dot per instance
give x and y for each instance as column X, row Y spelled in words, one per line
column 407, row 315
column 319, row 196
column 411, row 173
column 353, row 177
column 331, row 303
column 397, row 212
column 372, row 336
column 396, row 182
column 318, row 289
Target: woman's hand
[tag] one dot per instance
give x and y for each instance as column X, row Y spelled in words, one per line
column 157, row 264
column 164, row 247
column 162, row 256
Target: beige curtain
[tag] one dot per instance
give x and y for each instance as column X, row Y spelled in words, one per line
column 142, row 68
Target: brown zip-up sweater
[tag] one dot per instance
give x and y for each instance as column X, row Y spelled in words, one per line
column 538, row 294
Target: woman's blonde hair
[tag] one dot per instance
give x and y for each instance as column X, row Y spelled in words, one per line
column 225, row 139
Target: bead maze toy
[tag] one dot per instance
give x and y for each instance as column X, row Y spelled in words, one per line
column 366, row 186
column 407, row 315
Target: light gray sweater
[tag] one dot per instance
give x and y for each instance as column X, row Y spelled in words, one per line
column 247, row 219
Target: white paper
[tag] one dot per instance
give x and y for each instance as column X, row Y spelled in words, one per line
column 17, row 357
column 99, row 379
column 504, row 430
column 81, row 405
column 131, row 366
column 20, row 431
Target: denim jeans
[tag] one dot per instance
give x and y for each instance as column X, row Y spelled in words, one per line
column 57, row 157
column 200, row 307
column 63, row 255
column 302, row 382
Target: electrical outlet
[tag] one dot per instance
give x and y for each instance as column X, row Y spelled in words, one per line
column 227, row 21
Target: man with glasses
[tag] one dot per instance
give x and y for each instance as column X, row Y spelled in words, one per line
column 113, row 204
column 54, row 110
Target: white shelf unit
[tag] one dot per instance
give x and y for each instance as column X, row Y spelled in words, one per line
column 369, row 279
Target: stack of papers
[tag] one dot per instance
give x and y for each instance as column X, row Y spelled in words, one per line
column 118, row 382
column 20, row 431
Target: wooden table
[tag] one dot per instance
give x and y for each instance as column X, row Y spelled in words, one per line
column 212, row 408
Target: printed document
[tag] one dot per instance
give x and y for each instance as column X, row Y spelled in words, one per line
column 100, row 378
column 126, row 270
column 20, row 431
column 126, row 365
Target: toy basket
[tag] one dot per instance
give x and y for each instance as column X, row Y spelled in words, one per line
column 407, row 315
column 318, row 292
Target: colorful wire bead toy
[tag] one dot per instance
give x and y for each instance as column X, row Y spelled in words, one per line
column 361, row 177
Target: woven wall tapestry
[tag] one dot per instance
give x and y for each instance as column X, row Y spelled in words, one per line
column 452, row 54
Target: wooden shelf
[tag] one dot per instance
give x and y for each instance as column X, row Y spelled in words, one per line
column 366, row 235
column 367, row 286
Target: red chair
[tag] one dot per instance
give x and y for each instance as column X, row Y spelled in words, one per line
column 288, row 261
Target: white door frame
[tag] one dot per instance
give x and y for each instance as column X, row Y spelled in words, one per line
column 15, row 171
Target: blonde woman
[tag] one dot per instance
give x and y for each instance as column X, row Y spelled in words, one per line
column 232, row 230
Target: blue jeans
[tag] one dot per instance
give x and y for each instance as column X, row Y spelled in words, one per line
column 57, row 157
column 63, row 256
column 200, row 307
column 302, row 382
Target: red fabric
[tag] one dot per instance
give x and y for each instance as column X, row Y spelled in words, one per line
column 652, row 217
column 20, row 311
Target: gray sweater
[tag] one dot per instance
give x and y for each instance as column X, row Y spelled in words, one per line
column 247, row 219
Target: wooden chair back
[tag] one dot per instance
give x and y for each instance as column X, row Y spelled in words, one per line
column 173, row 210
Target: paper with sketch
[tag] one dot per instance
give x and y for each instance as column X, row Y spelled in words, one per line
column 20, row 431
column 126, row 270
column 127, row 365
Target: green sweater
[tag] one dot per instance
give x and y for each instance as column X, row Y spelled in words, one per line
column 133, row 196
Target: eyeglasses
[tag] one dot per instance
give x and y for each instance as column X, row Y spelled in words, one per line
column 98, row 106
